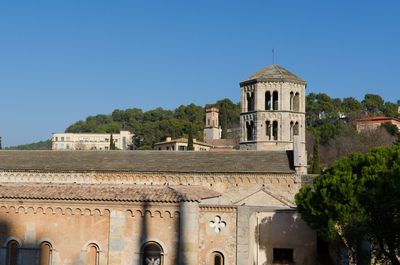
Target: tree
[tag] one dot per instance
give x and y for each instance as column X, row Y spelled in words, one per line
column 373, row 104
column 357, row 200
column 112, row 143
column 316, row 167
column 224, row 125
column 190, row 146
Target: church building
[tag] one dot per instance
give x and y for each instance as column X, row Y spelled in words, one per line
column 167, row 208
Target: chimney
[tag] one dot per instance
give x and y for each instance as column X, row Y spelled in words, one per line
column 168, row 139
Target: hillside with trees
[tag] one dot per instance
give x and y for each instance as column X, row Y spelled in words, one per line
column 154, row 125
column 330, row 121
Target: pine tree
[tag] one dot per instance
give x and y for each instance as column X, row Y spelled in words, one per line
column 224, row 125
column 316, row 168
column 190, row 146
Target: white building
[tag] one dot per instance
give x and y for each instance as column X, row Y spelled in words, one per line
column 91, row 141
column 180, row 144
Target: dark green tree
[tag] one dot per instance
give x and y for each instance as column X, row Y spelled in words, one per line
column 224, row 125
column 316, row 167
column 1, row 147
column 190, row 146
column 374, row 104
column 356, row 201
column 112, row 143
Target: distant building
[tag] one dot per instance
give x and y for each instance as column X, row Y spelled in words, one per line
column 91, row 141
column 212, row 130
column 371, row 123
column 180, row 144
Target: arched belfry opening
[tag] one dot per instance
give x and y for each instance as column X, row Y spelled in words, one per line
column 275, row 131
column 268, row 130
column 250, row 130
column 250, row 101
column 268, row 101
column 296, row 102
column 275, row 100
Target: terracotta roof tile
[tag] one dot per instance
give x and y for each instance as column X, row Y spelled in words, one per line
column 104, row 192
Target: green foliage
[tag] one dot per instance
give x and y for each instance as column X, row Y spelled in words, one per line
column 112, row 143
column 190, row 146
column 316, row 167
column 42, row 145
column 374, row 104
column 357, row 200
column 154, row 125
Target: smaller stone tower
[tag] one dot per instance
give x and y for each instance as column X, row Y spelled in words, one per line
column 273, row 113
column 212, row 131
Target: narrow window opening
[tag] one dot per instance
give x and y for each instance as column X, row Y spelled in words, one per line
column 250, row 101
column 250, row 130
column 268, row 130
column 275, row 130
column 291, row 130
column 92, row 255
column 296, row 102
column 275, row 100
column 296, row 129
column 217, row 258
column 12, row 252
column 45, row 253
column 268, row 104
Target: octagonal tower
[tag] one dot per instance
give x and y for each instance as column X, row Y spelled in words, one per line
column 273, row 112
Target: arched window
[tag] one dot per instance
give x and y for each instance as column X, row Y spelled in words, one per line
column 275, row 130
column 291, row 130
column 268, row 130
column 275, row 100
column 92, row 255
column 152, row 254
column 250, row 130
column 217, row 258
column 250, row 101
column 291, row 100
column 296, row 129
column 45, row 253
column 296, row 102
column 12, row 252
column 268, row 101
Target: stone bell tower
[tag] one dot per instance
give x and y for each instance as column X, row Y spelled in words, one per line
column 273, row 113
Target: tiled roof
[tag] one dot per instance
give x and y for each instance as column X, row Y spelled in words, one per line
column 274, row 73
column 148, row 161
column 104, row 192
column 378, row 118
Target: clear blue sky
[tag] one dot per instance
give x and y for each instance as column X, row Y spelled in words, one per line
column 61, row 61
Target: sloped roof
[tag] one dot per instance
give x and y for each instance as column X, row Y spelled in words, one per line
column 273, row 73
column 104, row 192
column 147, row 161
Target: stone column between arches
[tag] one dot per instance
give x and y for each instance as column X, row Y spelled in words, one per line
column 189, row 233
